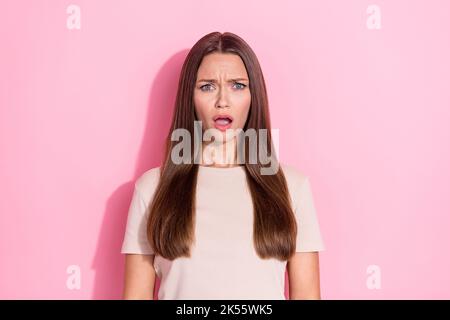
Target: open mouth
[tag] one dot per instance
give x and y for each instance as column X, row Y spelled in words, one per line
column 222, row 122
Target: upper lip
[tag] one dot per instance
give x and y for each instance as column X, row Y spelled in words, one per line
column 222, row 116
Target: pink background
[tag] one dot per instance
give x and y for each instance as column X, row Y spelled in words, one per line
column 364, row 113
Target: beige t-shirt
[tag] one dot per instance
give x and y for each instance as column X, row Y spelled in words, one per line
column 224, row 264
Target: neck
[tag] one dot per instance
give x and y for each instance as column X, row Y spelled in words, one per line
column 219, row 154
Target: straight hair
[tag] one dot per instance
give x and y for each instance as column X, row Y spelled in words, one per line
column 171, row 222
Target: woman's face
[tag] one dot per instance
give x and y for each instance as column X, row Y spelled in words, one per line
column 222, row 90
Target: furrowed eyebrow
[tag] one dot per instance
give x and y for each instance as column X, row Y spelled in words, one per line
column 215, row 81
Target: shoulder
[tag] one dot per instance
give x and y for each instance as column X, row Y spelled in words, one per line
column 297, row 182
column 147, row 182
column 294, row 177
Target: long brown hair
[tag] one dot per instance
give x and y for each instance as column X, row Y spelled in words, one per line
column 171, row 223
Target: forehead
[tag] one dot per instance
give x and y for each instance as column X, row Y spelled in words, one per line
column 214, row 64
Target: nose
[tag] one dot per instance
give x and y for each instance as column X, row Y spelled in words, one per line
column 222, row 106
column 222, row 101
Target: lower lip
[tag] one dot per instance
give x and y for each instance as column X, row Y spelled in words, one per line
column 222, row 127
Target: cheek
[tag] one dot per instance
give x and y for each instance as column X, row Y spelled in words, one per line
column 201, row 107
column 244, row 107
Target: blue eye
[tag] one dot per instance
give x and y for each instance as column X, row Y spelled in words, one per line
column 201, row 88
column 241, row 84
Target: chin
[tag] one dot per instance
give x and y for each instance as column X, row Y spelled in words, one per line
column 219, row 135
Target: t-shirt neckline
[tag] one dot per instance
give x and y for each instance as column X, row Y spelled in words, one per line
column 221, row 169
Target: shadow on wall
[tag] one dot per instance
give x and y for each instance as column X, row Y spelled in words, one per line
column 108, row 262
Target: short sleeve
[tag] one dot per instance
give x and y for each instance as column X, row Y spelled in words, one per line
column 135, row 239
column 309, row 237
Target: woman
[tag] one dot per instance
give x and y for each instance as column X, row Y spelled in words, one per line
column 212, row 224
